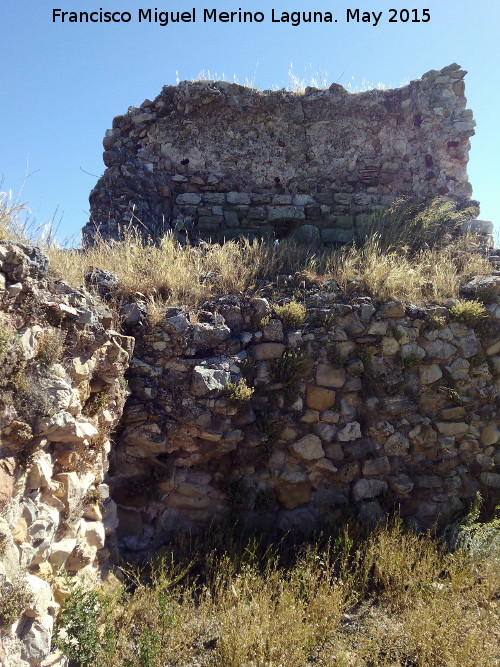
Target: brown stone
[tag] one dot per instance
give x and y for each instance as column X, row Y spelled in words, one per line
column 292, row 495
column 318, row 398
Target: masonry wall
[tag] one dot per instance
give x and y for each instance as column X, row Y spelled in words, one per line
column 363, row 408
column 216, row 160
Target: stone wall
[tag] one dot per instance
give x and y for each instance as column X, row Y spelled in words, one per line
column 61, row 394
column 363, row 408
column 216, row 160
column 284, row 415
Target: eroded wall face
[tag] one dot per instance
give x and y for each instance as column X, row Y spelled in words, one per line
column 61, row 395
column 218, row 160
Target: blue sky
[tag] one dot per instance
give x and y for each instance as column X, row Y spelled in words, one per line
column 62, row 84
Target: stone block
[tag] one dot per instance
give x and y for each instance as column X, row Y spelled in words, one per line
column 328, row 375
column 285, row 213
column 308, row 448
column 265, row 351
column 319, row 398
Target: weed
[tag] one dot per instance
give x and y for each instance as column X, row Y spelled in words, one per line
column 270, row 426
column 265, row 500
column 478, row 359
column 4, row 340
column 236, row 491
column 408, row 362
column 4, row 540
column 397, row 334
column 32, row 310
column 239, row 392
column 452, row 394
column 487, row 294
column 292, row 314
column 14, row 599
column 26, row 454
column 416, row 225
column 263, row 322
column 434, row 322
column 365, row 354
column 51, row 346
column 92, row 497
column 468, row 312
column 97, row 402
column 225, row 597
column 335, row 357
column 248, row 368
column 287, row 370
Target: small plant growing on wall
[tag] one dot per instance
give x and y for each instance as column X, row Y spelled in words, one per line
column 434, row 322
column 14, row 598
column 238, row 392
column 4, row 340
column 287, row 370
column 51, row 346
column 408, row 362
column 292, row 314
column 470, row 313
column 96, row 403
column 335, row 357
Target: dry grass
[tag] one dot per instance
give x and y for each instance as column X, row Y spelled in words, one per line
column 171, row 274
column 389, row 598
column 386, row 266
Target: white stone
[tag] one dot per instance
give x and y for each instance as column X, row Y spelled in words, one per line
column 63, row 427
column 59, row 551
column 36, row 635
column 351, row 431
column 308, row 448
column 95, row 534
column 207, row 381
column 430, row 373
column 40, row 596
column 40, row 473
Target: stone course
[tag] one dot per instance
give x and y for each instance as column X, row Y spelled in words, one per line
column 216, row 160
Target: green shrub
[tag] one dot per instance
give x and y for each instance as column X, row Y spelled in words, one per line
column 292, row 314
column 80, row 632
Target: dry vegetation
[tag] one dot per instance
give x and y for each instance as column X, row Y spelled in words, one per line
column 411, row 255
column 386, row 598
